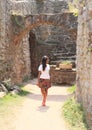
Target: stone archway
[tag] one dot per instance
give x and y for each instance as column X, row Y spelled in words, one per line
column 24, row 25
column 29, row 22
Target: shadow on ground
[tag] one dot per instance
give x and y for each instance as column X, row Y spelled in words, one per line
column 56, row 98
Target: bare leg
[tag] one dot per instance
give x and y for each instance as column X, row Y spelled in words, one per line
column 44, row 95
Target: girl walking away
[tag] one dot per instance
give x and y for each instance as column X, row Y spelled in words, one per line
column 44, row 81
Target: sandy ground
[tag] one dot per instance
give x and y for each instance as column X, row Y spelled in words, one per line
column 33, row 116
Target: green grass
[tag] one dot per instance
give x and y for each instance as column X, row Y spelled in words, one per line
column 11, row 102
column 10, row 108
column 73, row 8
column 74, row 115
column 66, row 62
column 72, row 89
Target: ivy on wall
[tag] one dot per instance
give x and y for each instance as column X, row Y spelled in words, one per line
column 73, row 8
column 18, row 23
column 5, row 67
column 75, row 5
column 18, row 20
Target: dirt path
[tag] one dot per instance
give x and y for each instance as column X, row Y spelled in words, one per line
column 33, row 116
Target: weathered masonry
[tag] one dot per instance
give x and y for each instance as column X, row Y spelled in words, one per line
column 20, row 61
column 52, row 32
column 84, row 58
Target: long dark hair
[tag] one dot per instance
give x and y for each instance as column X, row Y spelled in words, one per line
column 44, row 59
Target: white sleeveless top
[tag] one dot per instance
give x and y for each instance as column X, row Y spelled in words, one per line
column 44, row 74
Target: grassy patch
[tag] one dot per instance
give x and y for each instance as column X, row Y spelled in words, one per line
column 72, row 89
column 10, row 108
column 11, row 102
column 74, row 115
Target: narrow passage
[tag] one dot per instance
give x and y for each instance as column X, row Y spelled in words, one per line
column 33, row 116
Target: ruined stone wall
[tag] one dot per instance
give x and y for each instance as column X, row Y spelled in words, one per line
column 21, row 52
column 84, row 58
column 5, row 32
column 61, row 76
column 15, row 60
column 58, row 42
column 2, row 34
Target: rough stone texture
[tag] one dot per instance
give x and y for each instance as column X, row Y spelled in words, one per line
column 57, row 41
column 5, row 31
column 2, row 94
column 34, row 54
column 56, row 37
column 51, row 6
column 16, row 59
column 84, row 59
column 59, row 76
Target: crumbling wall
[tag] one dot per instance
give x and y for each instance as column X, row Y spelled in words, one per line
column 84, row 58
column 5, row 32
column 15, row 60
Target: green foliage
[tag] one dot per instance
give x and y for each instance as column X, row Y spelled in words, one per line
column 18, row 20
column 72, row 89
column 73, row 7
column 9, row 97
column 74, row 115
column 23, row 93
column 10, row 106
column 66, row 62
column 10, row 101
column 26, row 78
column 89, row 48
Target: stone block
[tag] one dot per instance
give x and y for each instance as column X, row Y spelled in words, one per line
column 59, row 76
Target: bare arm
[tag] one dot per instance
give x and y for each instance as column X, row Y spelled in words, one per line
column 50, row 74
column 39, row 73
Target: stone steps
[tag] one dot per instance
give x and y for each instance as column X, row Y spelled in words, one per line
column 64, row 54
column 64, row 58
column 61, row 60
column 56, row 62
column 59, row 57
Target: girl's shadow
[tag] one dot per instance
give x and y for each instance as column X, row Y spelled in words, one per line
column 43, row 108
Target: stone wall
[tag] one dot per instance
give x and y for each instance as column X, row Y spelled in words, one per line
column 15, row 60
column 5, row 38
column 22, row 55
column 51, row 6
column 84, row 58
column 63, row 76
column 57, row 41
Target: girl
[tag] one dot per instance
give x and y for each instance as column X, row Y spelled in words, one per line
column 44, row 78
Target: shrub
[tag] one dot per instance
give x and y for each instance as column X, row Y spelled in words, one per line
column 74, row 115
column 72, row 89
